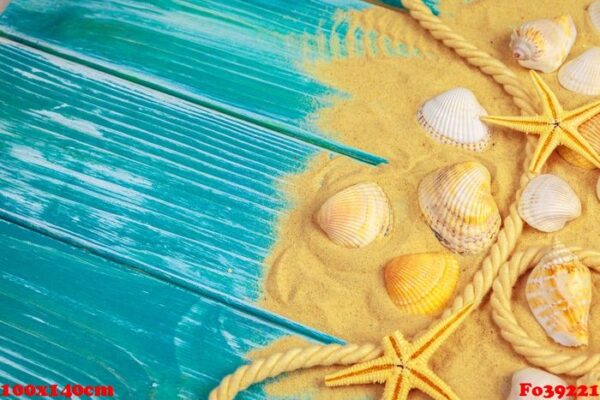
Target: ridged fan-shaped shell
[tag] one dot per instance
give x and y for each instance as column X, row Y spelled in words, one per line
column 548, row 203
column 356, row 216
column 535, row 378
column 457, row 204
column 543, row 44
column 590, row 130
column 559, row 293
column 582, row 74
column 453, row 117
column 594, row 14
column 421, row 284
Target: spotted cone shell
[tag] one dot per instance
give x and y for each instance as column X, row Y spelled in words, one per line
column 356, row 216
column 582, row 75
column 590, row 130
column 543, row 44
column 559, row 293
column 421, row 284
column 457, row 204
column 453, row 118
column 548, row 203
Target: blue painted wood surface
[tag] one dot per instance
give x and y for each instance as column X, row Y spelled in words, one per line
column 148, row 216
column 183, row 193
column 68, row 316
column 239, row 57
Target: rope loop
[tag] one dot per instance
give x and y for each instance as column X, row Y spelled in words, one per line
column 481, row 284
column 538, row 354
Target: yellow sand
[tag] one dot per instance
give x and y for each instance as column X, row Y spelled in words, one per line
column 341, row 291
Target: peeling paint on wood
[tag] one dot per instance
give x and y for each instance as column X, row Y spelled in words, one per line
column 242, row 58
column 180, row 191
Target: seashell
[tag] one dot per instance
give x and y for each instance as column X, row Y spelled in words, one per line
column 594, row 14
column 592, row 378
column 598, row 189
column 559, row 293
column 453, row 117
column 421, row 284
column 529, row 378
column 356, row 216
column 582, row 74
column 590, row 130
column 543, row 44
column 548, row 203
column 457, row 204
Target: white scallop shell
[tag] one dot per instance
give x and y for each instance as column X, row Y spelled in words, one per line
column 534, row 377
column 582, row 74
column 548, row 203
column 594, row 14
column 453, row 117
column 543, row 44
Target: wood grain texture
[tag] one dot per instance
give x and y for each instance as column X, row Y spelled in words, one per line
column 239, row 57
column 184, row 193
column 71, row 317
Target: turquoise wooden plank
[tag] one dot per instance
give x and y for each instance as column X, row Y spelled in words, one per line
column 183, row 192
column 235, row 56
column 68, row 316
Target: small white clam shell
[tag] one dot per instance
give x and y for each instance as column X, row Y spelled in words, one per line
column 582, row 74
column 529, row 378
column 548, row 203
column 594, row 14
column 453, row 117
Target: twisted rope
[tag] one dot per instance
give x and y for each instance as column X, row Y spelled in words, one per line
column 512, row 228
column 480, row 59
column 474, row 292
column 591, row 379
column 536, row 353
column 292, row 360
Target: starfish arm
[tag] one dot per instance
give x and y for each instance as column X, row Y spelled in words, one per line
column 426, row 345
column 376, row 371
column 397, row 345
column 552, row 107
column 428, row 382
column 576, row 142
column 397, row 387
column 546, row 145
column 527, row 124
column 582, row 114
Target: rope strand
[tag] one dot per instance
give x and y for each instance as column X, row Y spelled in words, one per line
column 536, row 353
column 474, row 292
column 292, row 360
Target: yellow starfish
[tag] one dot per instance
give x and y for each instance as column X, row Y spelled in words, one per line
column 403, row 365
column 555, row 127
